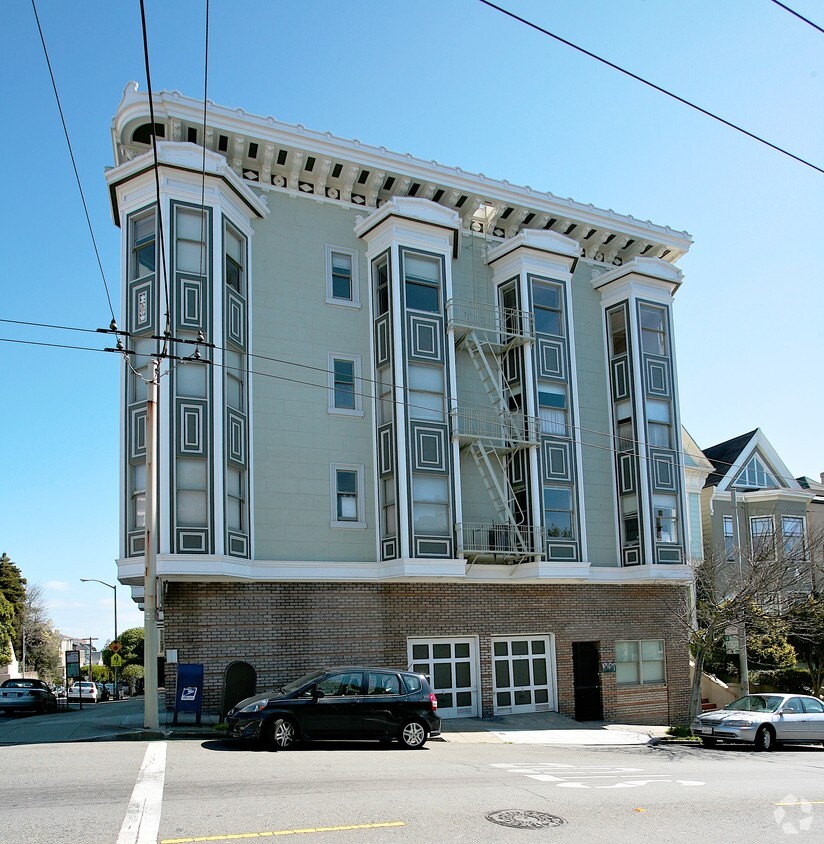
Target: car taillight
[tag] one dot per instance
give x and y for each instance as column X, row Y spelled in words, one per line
column 433, row 701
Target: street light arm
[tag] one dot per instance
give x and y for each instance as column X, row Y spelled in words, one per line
column 95, row 580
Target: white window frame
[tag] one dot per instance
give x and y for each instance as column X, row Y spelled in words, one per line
column 757, row 540
column 798, row 538
column 729, row 537
column 347, row 524
column 640, row 663
column 354, row 302
column 330, row 366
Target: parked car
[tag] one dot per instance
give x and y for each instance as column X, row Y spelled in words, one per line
column 102, row 691
column 124, row 689
column 59, row 691
column 341, row 703
column 764, row 720
column 89, row 692
column 26, row 694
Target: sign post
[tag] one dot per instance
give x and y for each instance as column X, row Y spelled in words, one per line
column 72, row 672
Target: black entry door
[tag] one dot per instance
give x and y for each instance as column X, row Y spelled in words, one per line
column 587, row 679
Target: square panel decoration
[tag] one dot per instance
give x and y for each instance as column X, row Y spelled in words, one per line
column 663, row 470
column 657, row 376
column 383, row 346
column 428, row 447
column 236, row 437
column 137, row 432
column 386, row 450
column 389, row 549
column 557, row 461
column 236, row 319
column 626, row 473
column 631, row 556
column 190, row 310
column 141, row 306
column 191, row 541
column 620, row 379
column 238, row 545
column 191, row 427
column 424, row 338
column 551, row 361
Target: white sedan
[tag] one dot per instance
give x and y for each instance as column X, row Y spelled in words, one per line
column 764, row 720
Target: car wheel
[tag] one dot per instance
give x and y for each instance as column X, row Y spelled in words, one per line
column 412, row 735
column 282, row 734
column 765, row 738
column 709, row 742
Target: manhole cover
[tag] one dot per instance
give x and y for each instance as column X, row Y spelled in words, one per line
column 519, row 819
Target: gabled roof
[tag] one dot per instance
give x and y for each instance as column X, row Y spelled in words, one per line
column 724, row 455
column 731, row 456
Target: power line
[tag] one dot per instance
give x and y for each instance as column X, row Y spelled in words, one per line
column 800, row 17
column 156, row 167
column 652, row 85
column 71, row 155
column 679, row 453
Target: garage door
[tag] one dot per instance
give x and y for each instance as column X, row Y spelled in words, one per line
column 451, row 665
column 523, row 672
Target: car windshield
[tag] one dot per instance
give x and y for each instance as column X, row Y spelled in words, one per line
column 301, row 681
column 757, row 703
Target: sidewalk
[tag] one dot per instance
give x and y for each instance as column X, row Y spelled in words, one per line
column 123, row 721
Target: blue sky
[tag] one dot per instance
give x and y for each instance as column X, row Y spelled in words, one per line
column 452, row 81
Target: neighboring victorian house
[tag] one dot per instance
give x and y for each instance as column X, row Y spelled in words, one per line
column 815, row 529
column 438, row 425
column 696, row 471
column 772, row 506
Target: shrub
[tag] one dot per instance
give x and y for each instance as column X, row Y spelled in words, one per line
column 789, row 680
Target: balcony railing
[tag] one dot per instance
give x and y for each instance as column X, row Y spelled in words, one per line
column 500, row 325
column 497, row 543
column 505, row 429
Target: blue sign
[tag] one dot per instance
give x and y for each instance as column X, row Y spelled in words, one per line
column 189, row 691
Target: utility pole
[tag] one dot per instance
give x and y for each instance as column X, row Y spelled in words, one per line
column 742, row 627
column 150, row 637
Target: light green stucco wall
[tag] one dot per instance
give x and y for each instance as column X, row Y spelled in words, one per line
column 294, row 438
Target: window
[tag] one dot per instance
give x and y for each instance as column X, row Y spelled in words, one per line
column 639, row 662
column 755, row 475
column 347, row 496
column 658, row 424
column 552, row 410
column 812, row 705
column 382, row 286
column 632, row 533
column 430, row 504
column 344, row 384
column 235, row 504
column 653, row 330
column 548, row 304
column 234, row 263
column 618, row 332
column 665, row 522
column 342, row 685
column 792, row 530
column 729, row 539
column 762, row 535
column 143, row 246
column 342, row 276
column 191, row 230
column 558, row 512
column 422, row 280
column 426, row 393
column 382, row 684
column 138, row 504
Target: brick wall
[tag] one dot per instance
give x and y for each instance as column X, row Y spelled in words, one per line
column 286, row 629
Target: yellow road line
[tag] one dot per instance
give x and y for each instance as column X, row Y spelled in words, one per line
column 280, row 832
column 802, row 803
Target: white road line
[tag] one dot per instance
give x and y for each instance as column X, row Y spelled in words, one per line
column 142, row 822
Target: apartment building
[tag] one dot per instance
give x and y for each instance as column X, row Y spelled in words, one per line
column 433, row 420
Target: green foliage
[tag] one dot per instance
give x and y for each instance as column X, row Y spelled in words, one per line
column 131, row 650
column 6, row 630
column 131, row 674
column 789, row 680
column 806, row 623
column 679, row 731
column 100, row 673
column 13, row 589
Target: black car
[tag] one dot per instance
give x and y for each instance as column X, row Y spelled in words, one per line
column 341, row 703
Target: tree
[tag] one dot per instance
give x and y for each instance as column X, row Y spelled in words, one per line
column 131, row 674
column 806, row 622
column 42, row 640
column 131, row 642
column 13, row 589
column 6, row 630
column 730, row 593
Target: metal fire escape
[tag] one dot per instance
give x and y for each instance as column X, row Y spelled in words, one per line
column 493, row 434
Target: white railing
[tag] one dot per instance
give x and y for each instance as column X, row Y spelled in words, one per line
column 505, row 323
column 506, row 428
column 492, row 540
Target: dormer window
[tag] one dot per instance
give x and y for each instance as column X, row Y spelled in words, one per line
column 755, row 475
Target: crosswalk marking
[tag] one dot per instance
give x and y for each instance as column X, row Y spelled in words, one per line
column 142, row 822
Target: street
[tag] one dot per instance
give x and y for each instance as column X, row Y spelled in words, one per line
column 191, row 789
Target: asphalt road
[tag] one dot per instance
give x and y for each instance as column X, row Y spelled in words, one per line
column 363, row 793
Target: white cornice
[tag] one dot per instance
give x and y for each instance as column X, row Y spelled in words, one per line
column 410, row 208
column 221, row 569
column 186, row 158
column 541, row 241
column 171, row 106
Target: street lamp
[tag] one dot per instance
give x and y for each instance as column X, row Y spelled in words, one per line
column 113, row 587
